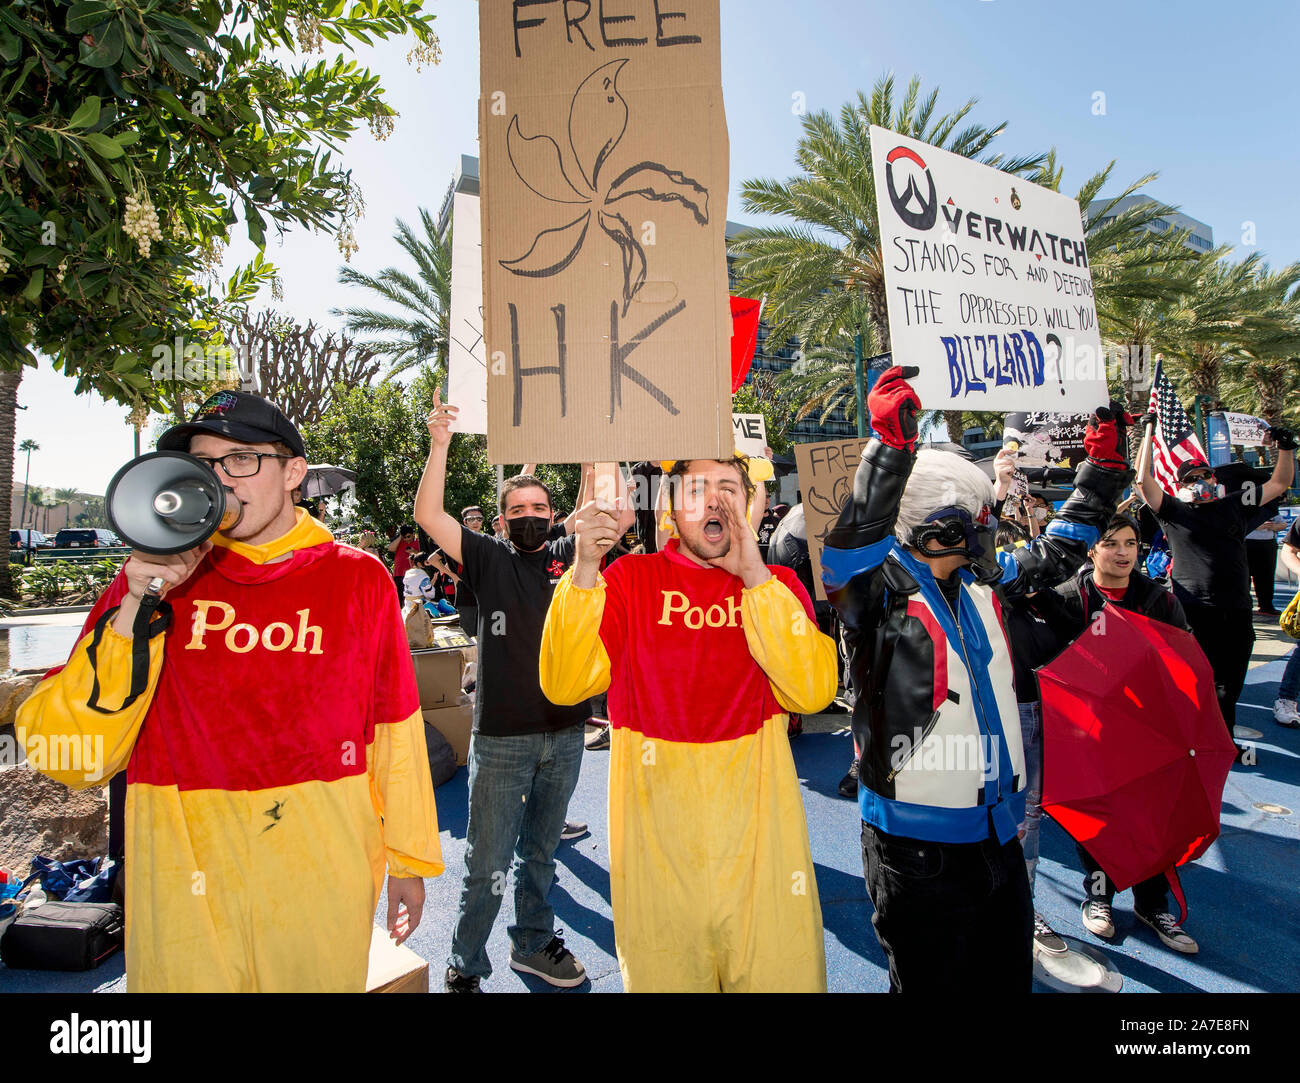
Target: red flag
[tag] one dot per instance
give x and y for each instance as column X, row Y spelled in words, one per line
column 744, row 337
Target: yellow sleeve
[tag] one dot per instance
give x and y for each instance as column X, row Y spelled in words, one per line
column 402, row 793
column 800, row 662
column 76, row 744
column 573, row 664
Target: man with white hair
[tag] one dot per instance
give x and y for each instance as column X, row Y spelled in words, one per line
column 912, row 568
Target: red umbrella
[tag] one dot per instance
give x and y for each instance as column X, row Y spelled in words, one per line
column 1135, row 751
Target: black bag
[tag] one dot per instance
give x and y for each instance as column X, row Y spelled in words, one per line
column 63, row 936
column 442, row 757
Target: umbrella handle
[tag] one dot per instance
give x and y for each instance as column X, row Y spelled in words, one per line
column 1176, row 886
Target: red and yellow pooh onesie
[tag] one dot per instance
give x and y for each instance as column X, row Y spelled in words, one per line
column 710, row 871
column 276, row 766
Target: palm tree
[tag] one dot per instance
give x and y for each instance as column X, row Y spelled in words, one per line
column 1229, row 310
column 66, row 497
column 9, row 381
column 419, row 333
column 29, row 445
column 1265, row 379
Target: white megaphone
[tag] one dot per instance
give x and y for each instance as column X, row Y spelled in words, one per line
column 167, row 502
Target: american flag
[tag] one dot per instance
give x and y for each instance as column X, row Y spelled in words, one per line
column 1175, row 441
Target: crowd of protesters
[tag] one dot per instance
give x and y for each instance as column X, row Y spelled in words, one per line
column 670, row 622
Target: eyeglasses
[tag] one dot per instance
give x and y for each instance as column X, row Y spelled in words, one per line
column 240, row 464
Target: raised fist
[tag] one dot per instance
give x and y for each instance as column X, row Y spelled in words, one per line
column 894, row 407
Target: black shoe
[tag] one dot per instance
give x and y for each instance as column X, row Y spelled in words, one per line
column 456, row 982
column 849, row 783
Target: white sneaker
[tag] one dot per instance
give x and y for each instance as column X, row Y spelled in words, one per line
column 1286, row 713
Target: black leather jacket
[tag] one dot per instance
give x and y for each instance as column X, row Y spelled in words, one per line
column 870, row 579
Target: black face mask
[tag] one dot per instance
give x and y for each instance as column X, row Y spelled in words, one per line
column 528, row 532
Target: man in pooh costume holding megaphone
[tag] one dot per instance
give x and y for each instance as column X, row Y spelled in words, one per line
column 266, row 714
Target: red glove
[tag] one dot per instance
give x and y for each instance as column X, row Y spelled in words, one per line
column 1102, row 440
column 893, row 406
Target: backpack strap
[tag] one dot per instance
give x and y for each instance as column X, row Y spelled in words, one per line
column 143, row 629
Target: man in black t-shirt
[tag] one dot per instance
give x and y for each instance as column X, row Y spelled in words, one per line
column 1206, row 527
column 525, row 752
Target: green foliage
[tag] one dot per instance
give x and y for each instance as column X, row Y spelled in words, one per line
column 136, row 133
column 419, row 333
column 65, row 583
column 379, row 432
column 812, row 269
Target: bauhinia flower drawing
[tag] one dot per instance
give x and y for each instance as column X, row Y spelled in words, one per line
column 598, row 117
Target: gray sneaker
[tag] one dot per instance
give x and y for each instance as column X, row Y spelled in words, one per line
column 554, row 964
column 573, row 829
column 1170, row 932
column 1046, row 938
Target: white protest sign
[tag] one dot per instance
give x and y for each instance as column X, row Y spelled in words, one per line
column 466, row 367
column 750, row 431
column 1245, row 429
column 987, row 281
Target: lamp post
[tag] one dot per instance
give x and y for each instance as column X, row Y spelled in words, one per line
column 862, row 384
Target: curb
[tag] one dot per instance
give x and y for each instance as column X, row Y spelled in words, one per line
column 19, row 613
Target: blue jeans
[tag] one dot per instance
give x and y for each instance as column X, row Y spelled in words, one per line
column 1031, row 736
column 519, row 790
column 1290, row 686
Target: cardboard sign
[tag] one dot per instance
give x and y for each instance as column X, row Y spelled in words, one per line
column 1048, row 439
column 750, row 433
column 604, row 185
column 1246, row 429
column 466, row 364
column 988, row 283
column 826, row 472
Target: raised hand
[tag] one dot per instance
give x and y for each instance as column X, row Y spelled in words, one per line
column 894, row 406
column 742, row 558
column 440, row 421
column 595, row 532
column 1102, row 440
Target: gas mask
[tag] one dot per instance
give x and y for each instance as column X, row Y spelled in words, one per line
column 1200, row 491
column 959, row 533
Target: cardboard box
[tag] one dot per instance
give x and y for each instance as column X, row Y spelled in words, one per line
column 394, row 968
column 456, row 723
column 438, row 674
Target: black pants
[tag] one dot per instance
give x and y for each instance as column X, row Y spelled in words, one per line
column 1261, row 555
column 1148, row 896
column 951, row 917
column 1227, row 636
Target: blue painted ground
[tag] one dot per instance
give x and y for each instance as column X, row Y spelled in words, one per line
column 1244, row 893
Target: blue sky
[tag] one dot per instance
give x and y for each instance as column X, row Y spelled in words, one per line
column 1204, row 93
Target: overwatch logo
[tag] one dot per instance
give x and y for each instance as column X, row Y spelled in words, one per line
column 918, row 211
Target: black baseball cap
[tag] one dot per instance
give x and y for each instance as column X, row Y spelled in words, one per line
column 239, row 416
column 1186, row 468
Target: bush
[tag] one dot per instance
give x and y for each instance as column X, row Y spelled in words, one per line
column 64, row 583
